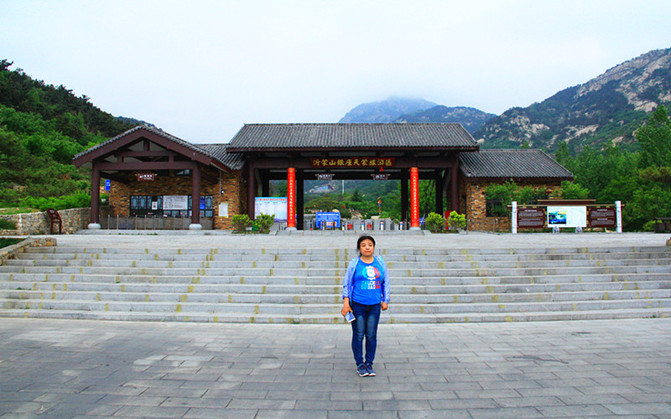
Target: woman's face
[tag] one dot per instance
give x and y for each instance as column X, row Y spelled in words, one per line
column 366, row 247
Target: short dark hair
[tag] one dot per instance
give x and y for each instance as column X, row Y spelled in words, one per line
column 362, row 238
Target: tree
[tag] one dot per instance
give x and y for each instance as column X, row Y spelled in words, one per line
column 654, row 136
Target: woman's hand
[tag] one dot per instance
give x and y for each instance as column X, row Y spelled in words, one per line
column 384, row 306
column 345, row 307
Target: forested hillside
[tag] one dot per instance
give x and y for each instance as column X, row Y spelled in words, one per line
column 41, row 128
column 470, row 118
column 607, row 109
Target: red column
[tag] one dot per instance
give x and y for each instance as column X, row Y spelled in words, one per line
column 291, row 198
column 414, row 197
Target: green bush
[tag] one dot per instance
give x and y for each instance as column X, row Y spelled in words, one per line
column 456, row 221
column 649, row 226
column 5, row 242
column 435, row 222
column 7, row 224
column 78, row 200
column 264, row 222
column 241, row 222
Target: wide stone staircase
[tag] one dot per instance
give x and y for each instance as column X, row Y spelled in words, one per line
column 304, row 285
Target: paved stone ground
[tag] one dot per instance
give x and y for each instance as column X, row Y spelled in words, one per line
column 71, row 368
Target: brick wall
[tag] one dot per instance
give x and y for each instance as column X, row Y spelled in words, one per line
column 232, row 192
column 474, row 204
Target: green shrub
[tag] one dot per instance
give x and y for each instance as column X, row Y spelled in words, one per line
column 7, row 224
column 78, row 200
column 264, row 222
column 649, row 226
column 5, row 242
column 241, row 222
column 435, row 222
column 456, row 221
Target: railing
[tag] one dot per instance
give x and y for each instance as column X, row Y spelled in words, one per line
column 152, row 222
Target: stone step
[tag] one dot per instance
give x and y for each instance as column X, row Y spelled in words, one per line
column 304, row 285
column 386, row 318
column 272, row 288
column 283, row 309
column 338, row 273
column 323, row 251
column 333, row 280
column 343, row 257
column 321, row 265
column 330, row 298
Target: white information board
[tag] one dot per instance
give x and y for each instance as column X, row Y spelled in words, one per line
column 175, row 202
column 567, row 216
column 223, row 209
column 271, row 205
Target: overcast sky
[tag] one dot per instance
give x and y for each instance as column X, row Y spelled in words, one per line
column 201, row 69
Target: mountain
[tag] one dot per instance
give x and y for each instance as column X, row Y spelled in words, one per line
column 472, row 119
column 608, row 108
column 133, row 121
column 385, row 110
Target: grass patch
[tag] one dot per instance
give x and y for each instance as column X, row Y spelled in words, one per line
column 17, row 210
column 5, row 242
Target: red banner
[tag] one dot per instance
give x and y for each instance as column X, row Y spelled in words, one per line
column 291, row 197
column 414, row 197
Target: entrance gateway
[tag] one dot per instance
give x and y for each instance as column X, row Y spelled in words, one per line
column 407, row 152
column 147, row 165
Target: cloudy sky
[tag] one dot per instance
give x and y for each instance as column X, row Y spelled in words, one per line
column 202, row 69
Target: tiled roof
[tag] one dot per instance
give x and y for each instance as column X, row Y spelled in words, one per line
column 259, row 137
column 512, row 164
column 234, row 161
column 217, row 152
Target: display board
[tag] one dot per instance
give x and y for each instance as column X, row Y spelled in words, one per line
column 175, row 202
column 531, row 217
column 602, row 217
column 271, row 205
column 567, row 216
column 327, row 219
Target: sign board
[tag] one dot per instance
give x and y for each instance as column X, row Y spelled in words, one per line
column 327, row 219
column 145, row 177
column 602, row 217
column 351, row 162
column 324, row 176
column 108, row 184
column 380, row 176
column 271, row 205
column 531, row 217
column 223, row 209
column 567, row 216
column 175, row 202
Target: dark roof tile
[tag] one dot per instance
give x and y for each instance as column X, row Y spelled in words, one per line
column 511, row 164
column 258, row 137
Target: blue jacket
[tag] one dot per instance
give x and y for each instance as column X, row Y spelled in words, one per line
column 348, row 281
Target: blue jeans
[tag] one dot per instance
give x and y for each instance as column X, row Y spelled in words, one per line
column 367, row 318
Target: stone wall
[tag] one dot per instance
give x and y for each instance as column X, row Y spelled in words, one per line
column 33, row 223
column 226, row 189
column 10, row 252
column 475, row 205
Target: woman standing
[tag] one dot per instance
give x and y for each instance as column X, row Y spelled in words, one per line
column 365, row 293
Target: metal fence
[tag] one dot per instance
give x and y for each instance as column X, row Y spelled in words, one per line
column 153, row 223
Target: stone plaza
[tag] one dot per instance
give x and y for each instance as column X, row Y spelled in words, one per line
column 88, row 368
